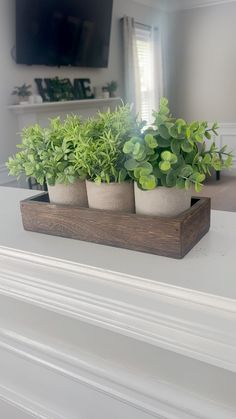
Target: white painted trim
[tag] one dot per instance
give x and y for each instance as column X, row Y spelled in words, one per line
column 5, row 179
column 27, row 406
column 191, row 323
column 165, row 401
column 228, row 130
column 64, row 106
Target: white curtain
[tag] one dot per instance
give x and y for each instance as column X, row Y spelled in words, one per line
column 158, row 64
column 146, row 57
column 131, row 70
column 143, row 67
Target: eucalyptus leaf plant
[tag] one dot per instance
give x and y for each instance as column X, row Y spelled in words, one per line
column 48, row 154
column 174, row 153
column 102, row 139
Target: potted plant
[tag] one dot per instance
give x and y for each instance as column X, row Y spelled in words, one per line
column 112, row 88
column 23, row 92
column 49, row 155
column 101, row 157
column 169, row 159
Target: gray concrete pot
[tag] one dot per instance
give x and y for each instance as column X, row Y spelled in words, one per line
column 111, row 196
column 163, row 202
column 71, row 194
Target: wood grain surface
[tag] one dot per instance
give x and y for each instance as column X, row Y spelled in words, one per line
column 171, row 237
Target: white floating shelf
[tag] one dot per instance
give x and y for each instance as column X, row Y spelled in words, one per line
column 65, row 105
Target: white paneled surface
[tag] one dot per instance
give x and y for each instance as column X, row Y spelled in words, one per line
column 228, row 136
column 83, row 335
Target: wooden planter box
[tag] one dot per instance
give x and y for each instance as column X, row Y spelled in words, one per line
column 171, row 237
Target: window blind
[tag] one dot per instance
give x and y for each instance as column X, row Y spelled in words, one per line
column 145, row 63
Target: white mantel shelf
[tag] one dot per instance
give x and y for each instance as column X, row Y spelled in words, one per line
column 152, row 336
column 65, row 105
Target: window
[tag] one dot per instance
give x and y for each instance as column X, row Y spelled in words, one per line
column 145, row 60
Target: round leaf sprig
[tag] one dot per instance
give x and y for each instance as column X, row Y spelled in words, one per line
column 173, row 153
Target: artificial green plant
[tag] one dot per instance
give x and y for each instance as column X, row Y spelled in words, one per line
column 174, row 153
column 49, row 154
column 22, row 91
column 101, row 144
column 112, row 87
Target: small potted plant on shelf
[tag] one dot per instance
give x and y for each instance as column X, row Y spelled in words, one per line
column 112, row 88
column 23, row 93
column 49, row 155
column 169, row 159
column 101, row 157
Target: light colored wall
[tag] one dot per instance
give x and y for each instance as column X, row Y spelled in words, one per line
column 202, row 63
column 12, row 74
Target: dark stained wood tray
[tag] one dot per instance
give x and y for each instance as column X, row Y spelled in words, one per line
column 171, row 237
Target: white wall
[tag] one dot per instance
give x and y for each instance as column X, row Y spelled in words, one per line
column 12, row 74
column 202, row 63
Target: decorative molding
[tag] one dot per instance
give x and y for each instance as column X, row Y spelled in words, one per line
column 24, row 405
column 165, row 401
column 227, row 135
column 81, row 339
column 64, row 106
column 191, row 323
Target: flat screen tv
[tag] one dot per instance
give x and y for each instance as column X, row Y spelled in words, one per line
column 63, row 32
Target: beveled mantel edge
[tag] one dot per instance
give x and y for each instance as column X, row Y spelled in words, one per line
column 64, row 105
column 189, row 322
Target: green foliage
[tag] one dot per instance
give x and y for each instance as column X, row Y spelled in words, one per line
column 173, row 153
column 101, row 144
column 112, row 87
column 22, row 91
column 49, row 154
column 112, row 147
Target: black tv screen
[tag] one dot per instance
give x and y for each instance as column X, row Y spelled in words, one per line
column 63, row 32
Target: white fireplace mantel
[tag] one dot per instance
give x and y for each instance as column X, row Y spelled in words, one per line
column 32, row 113
column 94, row 332
column 65, row 105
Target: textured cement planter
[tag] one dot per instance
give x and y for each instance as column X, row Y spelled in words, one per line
column 163, row 202
column 71, row 194
column 111, row 196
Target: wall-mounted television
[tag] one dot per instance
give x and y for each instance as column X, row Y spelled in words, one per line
column 63, row 32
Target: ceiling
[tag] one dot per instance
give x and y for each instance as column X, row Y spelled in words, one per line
column 182, row 4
